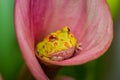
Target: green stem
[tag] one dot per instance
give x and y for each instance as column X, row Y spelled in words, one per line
column 25, row 74
column 50, row 70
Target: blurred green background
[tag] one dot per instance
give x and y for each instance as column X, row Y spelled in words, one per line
column 104, row 68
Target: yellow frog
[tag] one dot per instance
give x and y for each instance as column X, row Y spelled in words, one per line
column 58, row 45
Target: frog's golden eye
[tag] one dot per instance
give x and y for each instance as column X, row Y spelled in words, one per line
column 52, row 38
column 65, row 29
column 68, row 29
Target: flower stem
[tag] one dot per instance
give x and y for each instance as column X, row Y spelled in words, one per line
column 50, row 70
column 25, row 74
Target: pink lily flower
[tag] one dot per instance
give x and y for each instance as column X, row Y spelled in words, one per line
column 89, row 20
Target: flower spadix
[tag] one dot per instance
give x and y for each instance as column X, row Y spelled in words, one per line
column 58, row 45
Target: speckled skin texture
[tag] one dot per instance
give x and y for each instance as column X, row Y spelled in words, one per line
column 57, row 46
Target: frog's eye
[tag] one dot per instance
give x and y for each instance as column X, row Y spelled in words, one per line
column 68, row 29
column 52, row 38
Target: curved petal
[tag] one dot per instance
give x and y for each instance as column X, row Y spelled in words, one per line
column 25, row 38
column 89, row 20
